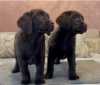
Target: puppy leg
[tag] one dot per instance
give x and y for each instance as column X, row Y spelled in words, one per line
column 50, row 63
column 39, row 54
column 72, row 68
column 59, row 56
column 16, row 67
column 24, row 70
column 39, row 79
column 71, row 61
column 57, row 61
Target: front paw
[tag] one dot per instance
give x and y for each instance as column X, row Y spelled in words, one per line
column 26, row 81
column 49, row 76
column 57, row 62
column 15, row 70
column 39, row 81
column 73, row 77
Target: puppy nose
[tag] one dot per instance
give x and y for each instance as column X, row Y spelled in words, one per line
column 52, row 26
column 85, row 27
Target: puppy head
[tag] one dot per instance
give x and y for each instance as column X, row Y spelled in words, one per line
column 25, row 23
column 41, row 21
column 72, row 21
column 78, row 23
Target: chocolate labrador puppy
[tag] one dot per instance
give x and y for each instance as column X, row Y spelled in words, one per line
column 30, row 44
column 62, row 42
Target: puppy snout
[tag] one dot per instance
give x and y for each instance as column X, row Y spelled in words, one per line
column 50, row 28
column 85, row 28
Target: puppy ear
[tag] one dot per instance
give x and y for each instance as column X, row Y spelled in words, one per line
column 59, row 19
column 25, row 22
column 64, row 20
column 23, row 19
column 20, row 22
column 63, row 17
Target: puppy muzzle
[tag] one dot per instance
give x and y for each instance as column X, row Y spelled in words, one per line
column 50, row 28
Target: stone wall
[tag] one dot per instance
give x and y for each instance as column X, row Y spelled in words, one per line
column 86, row 44
column 6, row 44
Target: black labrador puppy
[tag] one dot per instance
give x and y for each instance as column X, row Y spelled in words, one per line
column 62, row 42
column 30, row 44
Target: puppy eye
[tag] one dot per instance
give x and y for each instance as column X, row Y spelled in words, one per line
column 78, row 21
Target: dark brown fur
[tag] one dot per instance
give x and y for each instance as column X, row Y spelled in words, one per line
column 62, row 43
column 30, row 44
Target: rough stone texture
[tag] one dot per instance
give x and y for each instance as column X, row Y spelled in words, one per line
column 86, row 44
column 6, row 44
